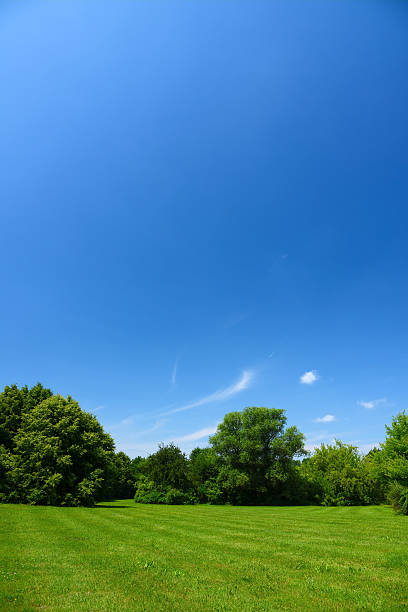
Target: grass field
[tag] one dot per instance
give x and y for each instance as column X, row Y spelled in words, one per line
column 122, row 556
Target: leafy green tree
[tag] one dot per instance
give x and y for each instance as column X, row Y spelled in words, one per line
column 137, row 467
column 126, row 483
column 165, row 478
column 14, row 402
column 204, row 464
column 61, row 455
column 120, row 482
column 204, row 470
column 256, row 454
column 339, row 476
column 168, row 467
column 391, row 463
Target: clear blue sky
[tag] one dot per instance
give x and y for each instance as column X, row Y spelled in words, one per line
column 201, row 202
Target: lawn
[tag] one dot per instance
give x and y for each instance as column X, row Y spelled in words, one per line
column 123, row 556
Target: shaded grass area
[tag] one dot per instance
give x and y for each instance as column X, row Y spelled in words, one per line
column 123, row 556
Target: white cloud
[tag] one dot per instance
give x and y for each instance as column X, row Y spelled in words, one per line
column 222, row 394
column 197, row 435
column 308, row 378
column 370, row 405
column 327, row 418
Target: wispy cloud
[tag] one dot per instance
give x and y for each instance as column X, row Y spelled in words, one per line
column 309, row 377
column 242, row 384
column 370, row 405
column 327, row 418
column 130, row 420
column 127, row 421
column 197, row 435
column 174, row 373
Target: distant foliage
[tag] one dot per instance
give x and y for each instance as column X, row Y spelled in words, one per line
column 165, row 478
column 120, row 478
column 251, row 461
column 391, row 463
column 204, row 471
column 338, row 476
column 54, row 453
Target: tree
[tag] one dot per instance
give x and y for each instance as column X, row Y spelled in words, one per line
column 391, row 463
column 168, row 467
column 165, row 479
column 136, row 467
column 256, row 454
column 61, row 455
column 339, row 476
column 120, row 480
column 14, row 402
column 204, row 470
column 204, row 464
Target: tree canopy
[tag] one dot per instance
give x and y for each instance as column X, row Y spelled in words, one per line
column 391, row 463
column 61, row 454
column 14, row 402
column 338, row 476
column 256, row 454
column 53, row 452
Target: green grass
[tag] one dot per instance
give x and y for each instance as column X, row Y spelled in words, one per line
column 124, row 556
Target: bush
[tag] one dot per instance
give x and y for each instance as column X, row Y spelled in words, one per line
column 398, row 497
column 147, row 492
column 390, row 464
column 338, row 476
column 176, row 497
column 210, row 492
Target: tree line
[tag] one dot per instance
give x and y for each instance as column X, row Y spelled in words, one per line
column 54, row 453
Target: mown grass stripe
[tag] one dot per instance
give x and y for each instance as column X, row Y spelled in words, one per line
column 202, row 558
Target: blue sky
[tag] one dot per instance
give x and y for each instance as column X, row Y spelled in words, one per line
column 204, row 204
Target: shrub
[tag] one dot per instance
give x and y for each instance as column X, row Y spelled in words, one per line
column 338, row 476
column 398, row 497
column 147, row 492
column 210, row 492
column 175, row 497
column 391, row 463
